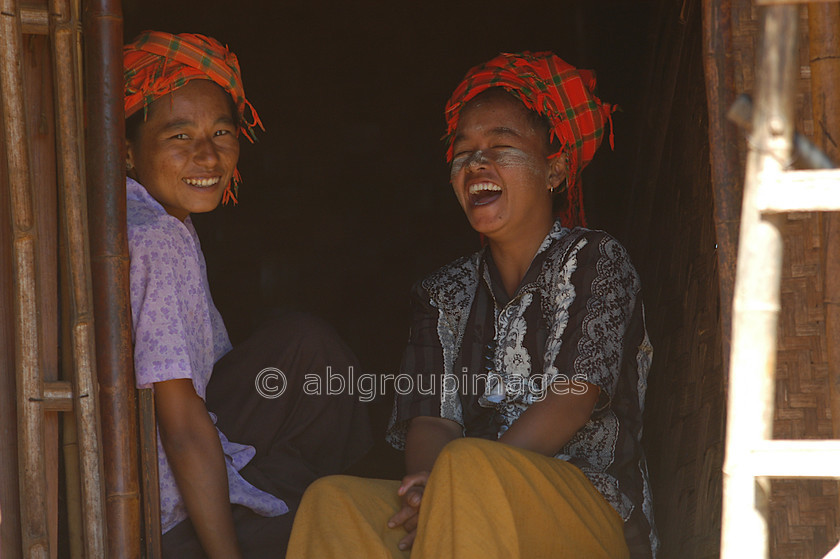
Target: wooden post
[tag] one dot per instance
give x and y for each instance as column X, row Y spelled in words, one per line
column 10, row 546
column 149, row 465
column 105, row 163
column 824, row 55
column 38, row 85
column 63, row 30
column 31, row 462
column 727, row 180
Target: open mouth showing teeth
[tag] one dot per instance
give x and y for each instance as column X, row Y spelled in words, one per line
column 202, row 183
column 484, row 193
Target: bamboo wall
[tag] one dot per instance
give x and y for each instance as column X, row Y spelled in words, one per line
column 46, row 321
column 804, row 521
column 38, row 86
column 682, row 231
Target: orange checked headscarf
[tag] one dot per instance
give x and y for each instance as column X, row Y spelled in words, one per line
column 157, row 63
column 554, row 89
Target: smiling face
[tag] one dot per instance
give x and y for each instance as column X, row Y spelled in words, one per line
column 501, row 172
column 186, row 151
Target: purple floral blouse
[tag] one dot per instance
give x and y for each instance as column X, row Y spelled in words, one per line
column 178, row 333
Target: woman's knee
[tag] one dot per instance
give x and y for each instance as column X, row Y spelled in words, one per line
column 339, row 484
column 348, row 493
column 466, row 449
column 326, row 487
column 463, row 461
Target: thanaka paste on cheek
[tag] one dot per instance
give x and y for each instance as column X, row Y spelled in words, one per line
column 459, row 163
column 514, row 157
column 507, row 157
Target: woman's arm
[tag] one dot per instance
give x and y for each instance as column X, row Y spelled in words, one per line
column 425, row 439
column 547, row 425
column 194, row 451
column 593, row 339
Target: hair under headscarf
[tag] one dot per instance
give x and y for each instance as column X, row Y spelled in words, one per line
column 554, row 89
column 157, row 63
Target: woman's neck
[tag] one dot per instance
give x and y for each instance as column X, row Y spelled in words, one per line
column 513, row 257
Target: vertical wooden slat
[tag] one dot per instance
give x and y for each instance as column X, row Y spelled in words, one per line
column 10, row 545
column 70, row 448
column 727, row 182
column 38, row 84
column 149, row 465
column 31, row 461
column 755, row 307
column 105, row 163
column 63, row 30
column 824, row 57
column 824, row 54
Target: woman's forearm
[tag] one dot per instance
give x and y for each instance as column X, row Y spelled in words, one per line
column 201, row 475
column 425, row 439
column 547, row 425
column 194, row 451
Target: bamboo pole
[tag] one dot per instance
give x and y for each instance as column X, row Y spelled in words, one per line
column 32, row 467
column 757, row 287
column 34, row 20
column 69, row 138
column 75, row 514
column 824, row 58
column 149, row 465
column 787, row 2
column 9, row 489
column 105, row 167
column 69, row 439
column 727, row 180
column 38, row 85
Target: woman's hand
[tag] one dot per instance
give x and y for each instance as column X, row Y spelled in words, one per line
column 425, row 438
column 411, row 491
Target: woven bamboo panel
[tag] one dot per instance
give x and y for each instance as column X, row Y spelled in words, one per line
column 804, row 519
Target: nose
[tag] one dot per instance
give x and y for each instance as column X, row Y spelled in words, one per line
column 206, row 153
column 476, row 161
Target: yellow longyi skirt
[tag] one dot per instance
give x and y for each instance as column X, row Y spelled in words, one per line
column 484, row 500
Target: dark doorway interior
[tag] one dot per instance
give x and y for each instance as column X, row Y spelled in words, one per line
column 345, row 201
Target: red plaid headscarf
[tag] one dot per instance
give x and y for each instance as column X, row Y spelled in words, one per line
column 157, row 63
column 554, row 89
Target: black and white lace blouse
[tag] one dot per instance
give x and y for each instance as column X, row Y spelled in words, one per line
column 480, row 358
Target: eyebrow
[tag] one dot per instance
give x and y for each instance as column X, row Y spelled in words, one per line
column 497, row 131
column 186, row 122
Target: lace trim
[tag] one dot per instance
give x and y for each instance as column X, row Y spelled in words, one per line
column 644, row 358
column 512, row 360
column 608, row 487
column 557, row 297
column 557, row 232
column 452, row 291
column 613, row 292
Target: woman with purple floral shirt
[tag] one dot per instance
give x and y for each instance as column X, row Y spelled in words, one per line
column 185, row 107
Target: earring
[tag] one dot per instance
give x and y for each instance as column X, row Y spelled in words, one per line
column 128, row 166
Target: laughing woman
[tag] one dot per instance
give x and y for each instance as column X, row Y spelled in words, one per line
column 544, row 459
column 185, row 108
